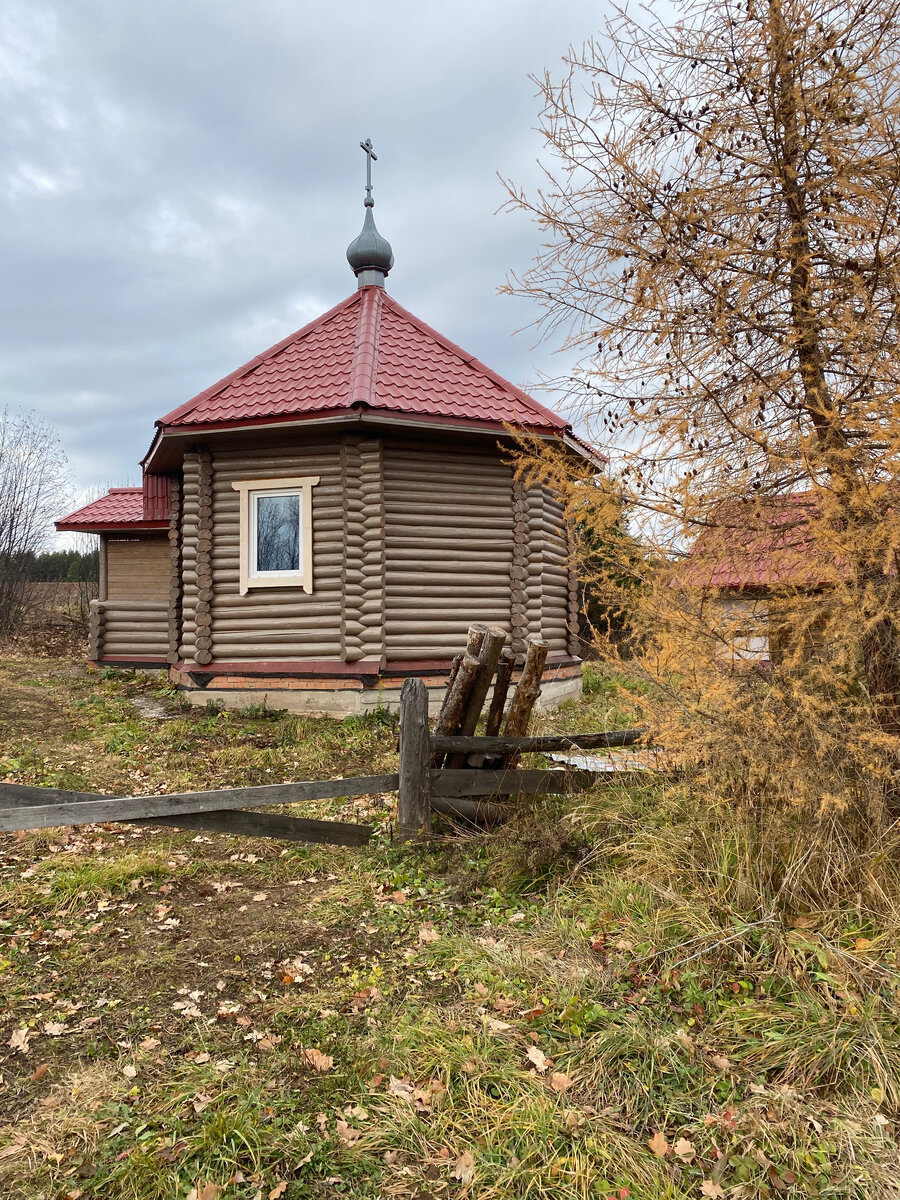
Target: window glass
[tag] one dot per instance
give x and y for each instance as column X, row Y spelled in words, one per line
column 277, row 533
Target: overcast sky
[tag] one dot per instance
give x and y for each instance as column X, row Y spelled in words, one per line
column 180, row 180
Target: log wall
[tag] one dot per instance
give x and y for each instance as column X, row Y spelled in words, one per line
column 363, row 583
column 277, row 623
column 190, row 516
column 551, row 531
column 136, row 628
column 413, row 541
column 175, row 572
column 448, row 546
column 549, row 588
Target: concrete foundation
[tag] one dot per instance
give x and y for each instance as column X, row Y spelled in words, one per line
column 344, row 697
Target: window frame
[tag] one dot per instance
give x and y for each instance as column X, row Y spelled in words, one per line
column 249, row 490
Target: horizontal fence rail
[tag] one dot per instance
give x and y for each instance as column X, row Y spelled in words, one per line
column 23, row 807
column 537, row 745
column 478, row 783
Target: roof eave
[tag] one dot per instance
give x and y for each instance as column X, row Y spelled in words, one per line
column 362, row 416
column 64, row 526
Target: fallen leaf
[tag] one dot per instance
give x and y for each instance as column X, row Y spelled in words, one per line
column 201, row 1058
column 18, row 1040
column 658, row 1144
column 428, row 933
column 39, row 1073
column 496, row 1026
column 539, row 1059
column 560, row 1082
column 54, row 1029
column 400, row 1087
column 464, row 1170
column 259, row 897
column 278, row 1190
column 205, row 1191
column 684, row 1149
column 862, row 944
column 347, row 1133
column 720, row 1062
column 13, row 1149
column 201, row 1102
column 129, row 1072
column 398, row 897
column 712, row 1189
column 317, row 1060
column 149, row 1043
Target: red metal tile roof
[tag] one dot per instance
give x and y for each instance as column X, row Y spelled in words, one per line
column 367, row 353
column 120, row 508
column 761, row 544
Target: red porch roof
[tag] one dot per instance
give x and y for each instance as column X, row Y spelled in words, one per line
column 122, row 508
column 367, row 353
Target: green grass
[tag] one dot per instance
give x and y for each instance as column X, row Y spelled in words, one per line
column 689, row 995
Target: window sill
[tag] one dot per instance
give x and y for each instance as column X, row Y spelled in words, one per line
column 285, row 581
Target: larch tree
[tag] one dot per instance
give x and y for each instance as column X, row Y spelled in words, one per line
column 722, row 244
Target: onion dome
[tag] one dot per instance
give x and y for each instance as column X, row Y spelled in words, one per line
column 370, row 255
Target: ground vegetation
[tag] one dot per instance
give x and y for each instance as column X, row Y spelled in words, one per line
column 595, row 1002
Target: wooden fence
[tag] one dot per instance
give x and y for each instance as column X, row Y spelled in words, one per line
column 454, row 773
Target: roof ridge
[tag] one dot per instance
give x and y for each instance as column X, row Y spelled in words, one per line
column 248, row 367
column 471, row 361
column 364, row 368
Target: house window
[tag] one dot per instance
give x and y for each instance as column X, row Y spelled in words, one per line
column 276, row 533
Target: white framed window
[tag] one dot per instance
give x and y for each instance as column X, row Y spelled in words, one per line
column 276, row 547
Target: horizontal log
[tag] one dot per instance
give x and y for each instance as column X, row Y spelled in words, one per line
column 124, row 606
column 440, row 633
column 446, row 509
column 476, row 812
column 537, row 745
column 270, row 825
column 424, row 602
column 25, row 807
column 446, row 541
column 440, row 574
column 323, row 633
column 316, row 609
column 478, row 782
column 243, row 464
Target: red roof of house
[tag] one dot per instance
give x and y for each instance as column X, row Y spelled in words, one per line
column 760, row 544
column 120, row 508
column 367, row 353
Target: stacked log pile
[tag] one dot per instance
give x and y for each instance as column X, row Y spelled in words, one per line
column 487, row 660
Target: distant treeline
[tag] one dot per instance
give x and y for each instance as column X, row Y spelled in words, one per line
column 53, row 566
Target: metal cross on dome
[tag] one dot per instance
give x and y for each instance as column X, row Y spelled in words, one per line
column 371, row 157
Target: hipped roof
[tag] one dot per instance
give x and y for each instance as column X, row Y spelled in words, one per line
column 367, row 356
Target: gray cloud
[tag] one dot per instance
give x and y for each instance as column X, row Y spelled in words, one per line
column 180, row 181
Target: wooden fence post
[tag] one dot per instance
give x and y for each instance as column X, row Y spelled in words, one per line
column 414, row 799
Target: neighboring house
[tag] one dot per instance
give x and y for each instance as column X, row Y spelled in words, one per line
column 758, row 557
column 330, row 517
